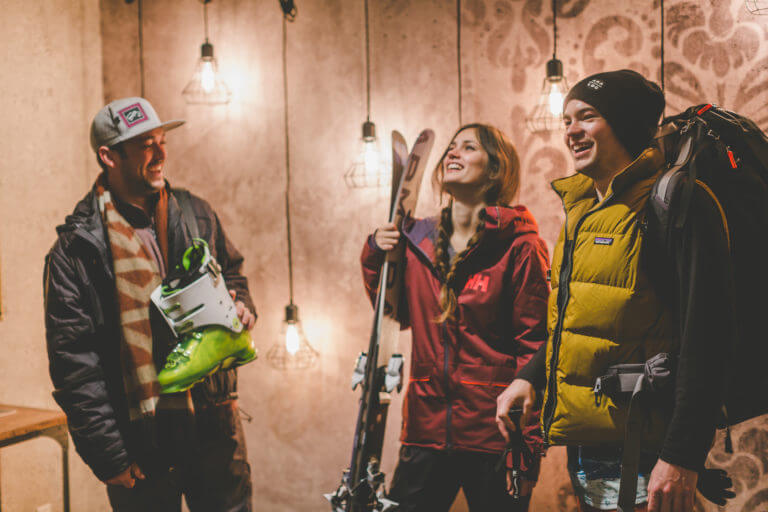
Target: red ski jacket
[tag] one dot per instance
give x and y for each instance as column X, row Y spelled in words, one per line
column 459, row 368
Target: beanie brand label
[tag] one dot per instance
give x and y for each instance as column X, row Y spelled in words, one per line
column 133, row 115
column 595, row 84
column 599, row 240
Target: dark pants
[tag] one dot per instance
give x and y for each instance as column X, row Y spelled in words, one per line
column 428, row 480
column 213, row 474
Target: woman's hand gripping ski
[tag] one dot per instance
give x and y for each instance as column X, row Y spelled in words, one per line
column 386, row 237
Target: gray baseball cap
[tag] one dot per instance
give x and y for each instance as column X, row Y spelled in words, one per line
column 124, row 119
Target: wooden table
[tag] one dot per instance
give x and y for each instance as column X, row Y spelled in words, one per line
column 26, row 423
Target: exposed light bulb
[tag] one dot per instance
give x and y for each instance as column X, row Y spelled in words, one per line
column 291, row 339
column 206, row 86
column 207, row 76
column 548, row 112
column 371, row 157
column 369, row 169
column 556, row 98
column 293, row 351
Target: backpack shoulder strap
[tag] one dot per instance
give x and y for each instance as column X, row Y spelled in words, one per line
column 665, row 189
column 183, row 197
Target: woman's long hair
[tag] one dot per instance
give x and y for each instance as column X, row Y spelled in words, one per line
column 502, row 175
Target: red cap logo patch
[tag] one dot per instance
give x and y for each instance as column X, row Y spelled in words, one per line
column 133, row 115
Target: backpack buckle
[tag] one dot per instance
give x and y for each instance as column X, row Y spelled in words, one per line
column 598, row 391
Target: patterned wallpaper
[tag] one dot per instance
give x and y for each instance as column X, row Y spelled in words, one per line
column 714, row 51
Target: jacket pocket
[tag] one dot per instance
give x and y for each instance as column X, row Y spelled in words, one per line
column 422, row 381
column 424, row 406
column 481, row 381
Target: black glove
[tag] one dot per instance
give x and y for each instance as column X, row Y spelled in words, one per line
column 715, row 485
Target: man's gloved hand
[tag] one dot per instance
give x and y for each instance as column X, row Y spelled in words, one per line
column 715, row 485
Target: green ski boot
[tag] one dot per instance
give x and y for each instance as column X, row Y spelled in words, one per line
column 196, row 304
column 203, row 352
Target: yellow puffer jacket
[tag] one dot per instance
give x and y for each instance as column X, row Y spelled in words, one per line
column 603, row 310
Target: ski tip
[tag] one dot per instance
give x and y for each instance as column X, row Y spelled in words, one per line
column 425, row 135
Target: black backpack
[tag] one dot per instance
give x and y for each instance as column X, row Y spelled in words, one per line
column 728, row 153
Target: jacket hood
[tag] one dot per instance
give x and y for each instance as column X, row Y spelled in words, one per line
column 510, row 221
column 501, row 222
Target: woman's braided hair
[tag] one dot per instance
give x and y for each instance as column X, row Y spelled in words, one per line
column 502, row 183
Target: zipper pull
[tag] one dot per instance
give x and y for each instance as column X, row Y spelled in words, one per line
column 598, row 391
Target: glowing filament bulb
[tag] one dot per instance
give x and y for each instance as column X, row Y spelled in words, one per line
column 371, row 158
column 291, row 339
column 207, row 76
column 556, row 100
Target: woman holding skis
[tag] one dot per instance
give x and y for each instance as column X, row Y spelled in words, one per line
column 474, row 296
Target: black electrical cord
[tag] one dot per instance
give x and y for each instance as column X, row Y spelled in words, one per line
column 458, row 53
column 141, row 46
column 662, row 45
column 205, row 18
column 554, row 29
column 367, row 66
column 287, row 154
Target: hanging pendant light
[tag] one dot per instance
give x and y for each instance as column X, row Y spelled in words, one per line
column 206, row 86
column 368, row 168
column 757, row 6
column 292, row 351
column 548, row 113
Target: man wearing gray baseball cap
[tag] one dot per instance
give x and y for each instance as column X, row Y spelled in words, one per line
column 106, row 345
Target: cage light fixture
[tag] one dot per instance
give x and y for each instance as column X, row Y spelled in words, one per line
column 206, row 86
column 292, row 351
column 759, row 7
column 547, row 115
column 368, row 168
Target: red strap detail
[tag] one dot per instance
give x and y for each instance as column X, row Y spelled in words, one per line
column 483, row 383
column 704, row 109
column 732, row 159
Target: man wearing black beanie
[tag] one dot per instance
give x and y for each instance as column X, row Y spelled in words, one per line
column 620, row 297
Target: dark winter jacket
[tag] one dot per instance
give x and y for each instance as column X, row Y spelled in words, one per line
column 459, row 368
column 83, row 329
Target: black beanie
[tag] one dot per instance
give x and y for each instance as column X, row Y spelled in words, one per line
column 631, row 104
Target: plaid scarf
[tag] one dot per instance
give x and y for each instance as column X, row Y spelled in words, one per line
column 136, row 275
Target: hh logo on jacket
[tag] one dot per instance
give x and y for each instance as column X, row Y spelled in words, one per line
column 478, row 282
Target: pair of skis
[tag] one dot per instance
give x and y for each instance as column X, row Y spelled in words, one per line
column 379, row 371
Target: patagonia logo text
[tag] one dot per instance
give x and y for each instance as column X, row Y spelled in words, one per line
column 478, row 282
column 133, row 115
column 600, row 240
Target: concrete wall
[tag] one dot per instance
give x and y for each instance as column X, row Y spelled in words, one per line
column 51, row 55
column 233, row 156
